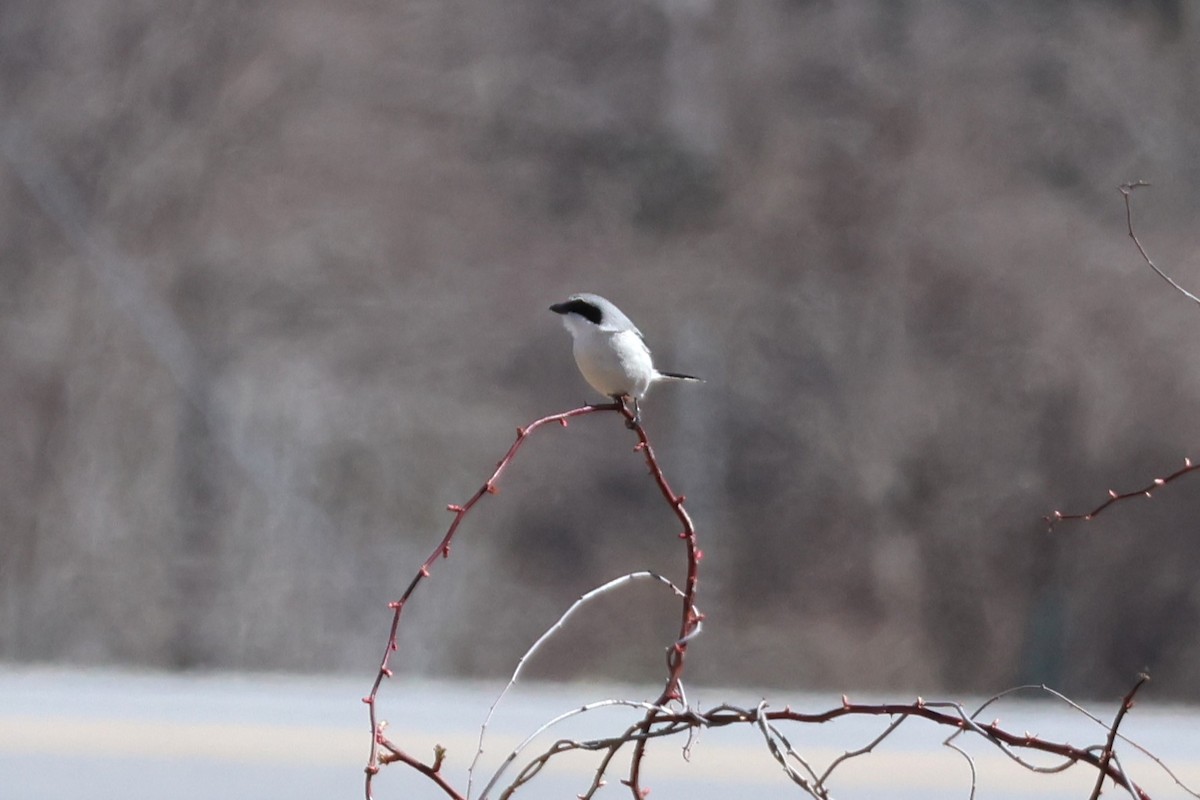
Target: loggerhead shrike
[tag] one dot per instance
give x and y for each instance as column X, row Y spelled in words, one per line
column 609, row 349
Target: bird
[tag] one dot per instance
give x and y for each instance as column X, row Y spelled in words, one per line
column 610, row 351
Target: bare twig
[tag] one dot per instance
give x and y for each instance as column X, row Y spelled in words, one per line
column 1041, row 687
column 1113, row 497
column 1126, row 190
column 557, row 626
column 770, row 733
column 1107, row 756
column 970, row 764
column 432, row 771
column 867, row 748
column 562, row 745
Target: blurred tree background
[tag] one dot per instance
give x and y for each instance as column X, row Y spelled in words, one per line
column 273, row 290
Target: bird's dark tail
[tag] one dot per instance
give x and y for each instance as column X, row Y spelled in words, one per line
column 679, row 376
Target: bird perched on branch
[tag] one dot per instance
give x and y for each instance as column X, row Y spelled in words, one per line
column 610, row 350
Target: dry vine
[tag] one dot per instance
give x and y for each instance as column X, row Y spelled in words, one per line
column 671, row 714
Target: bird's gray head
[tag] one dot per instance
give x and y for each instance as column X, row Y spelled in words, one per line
column 586, row 309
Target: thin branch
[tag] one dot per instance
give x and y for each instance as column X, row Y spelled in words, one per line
column 1107, row 756
column 516, row 752
column 1126, row 190
column 970, row 764
column 867, row 748
column 1113, row 497
column 1077, row 707
column 432, row 771
column 557, row 626
column 770, row 734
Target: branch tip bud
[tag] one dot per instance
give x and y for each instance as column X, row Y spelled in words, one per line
column 454, row 508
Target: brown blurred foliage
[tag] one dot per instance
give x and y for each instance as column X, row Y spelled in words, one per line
column 274, row 284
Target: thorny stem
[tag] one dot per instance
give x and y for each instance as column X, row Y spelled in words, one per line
column 378, row 740
column 689, row 624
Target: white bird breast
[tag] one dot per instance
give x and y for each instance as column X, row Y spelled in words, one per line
column 613, row 362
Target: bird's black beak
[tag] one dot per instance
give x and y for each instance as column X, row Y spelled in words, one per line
column 560, row 308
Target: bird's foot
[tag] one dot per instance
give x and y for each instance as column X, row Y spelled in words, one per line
column 632, row 420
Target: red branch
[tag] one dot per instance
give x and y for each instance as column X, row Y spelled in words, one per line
column 689, row 624
column 931, row 712
column 378, row 739
column 949, row 714
column 432, row 771
column 1114, row 497
column 675, row 656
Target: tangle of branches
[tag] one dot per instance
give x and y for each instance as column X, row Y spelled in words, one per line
column 671, row 715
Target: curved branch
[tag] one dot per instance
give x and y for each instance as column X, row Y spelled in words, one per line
column 1126, row 190
column 378, row 739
